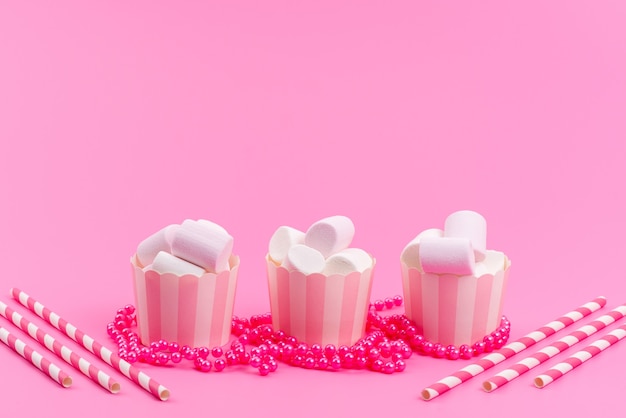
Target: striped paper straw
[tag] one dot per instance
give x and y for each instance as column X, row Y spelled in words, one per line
column 60, row 350
column 552, row 350
column 580, row 357
column 509, row 350
column 112, row 359
column 36, row 359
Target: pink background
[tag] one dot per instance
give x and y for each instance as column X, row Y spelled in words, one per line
column 117, row 118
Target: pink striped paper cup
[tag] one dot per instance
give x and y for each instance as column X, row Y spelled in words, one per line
column 319, row 309
column 191, row 310
column 450, row 309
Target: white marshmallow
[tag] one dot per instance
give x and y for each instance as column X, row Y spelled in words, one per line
column 471, row 225
column 446, row 255
column 330, row 235
column 210, row 251
column 167, row 263
column 207, row 227
column 148, row 249
column 304, row 259
column 494, row 261
column 347, row 261
column 411, row 255
column 284, row 238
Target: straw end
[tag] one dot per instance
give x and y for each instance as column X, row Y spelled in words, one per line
column 428, row 394
column 489, row 386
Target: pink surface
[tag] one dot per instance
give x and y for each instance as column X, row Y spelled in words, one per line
column 119, row 118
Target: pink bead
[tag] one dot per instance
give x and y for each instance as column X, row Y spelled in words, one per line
column 244, row 358
column 400, row 365
column 301, row 349
column 439, row 351
column 163, row 358
column 343, row 350
column 322, row 363
column 288, row 351
column 176, row 357
column 377, row 365
column 479, row 348
column 379, row 305
column 348, row 360
column 219, row 365
column 373, row 354
column 335, row 362
column 231, row 358
column 389, row 303
column 426, row 347
column 465, row 352
column 316, row 349
column 385, row 349
column 397, row 300
column 452, row 353
column 255, row 361
column 359, row 351
column 202, row 365
column 279, row 335
column 389, row 367
column 406, row 352
column 203, row 352
column 309, row 362
column 264, row 369
column 360, row 362
column 273, row 350
column 131, row 357
column 330, row 350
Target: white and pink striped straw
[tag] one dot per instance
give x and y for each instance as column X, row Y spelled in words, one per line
column 112, row 359
column 511, row 349
column 553, row 349
column 580, row 357
column 36, row 359
column 60, row 350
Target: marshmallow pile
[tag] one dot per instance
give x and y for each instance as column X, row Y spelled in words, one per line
column 323, row 248
column 460, row 248
column 194, row 247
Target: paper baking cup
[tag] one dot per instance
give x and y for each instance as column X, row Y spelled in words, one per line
column 191, row 310
column 319, row 309
column 450, row 309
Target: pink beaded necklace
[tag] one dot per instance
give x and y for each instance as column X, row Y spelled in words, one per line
column 389, row 341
